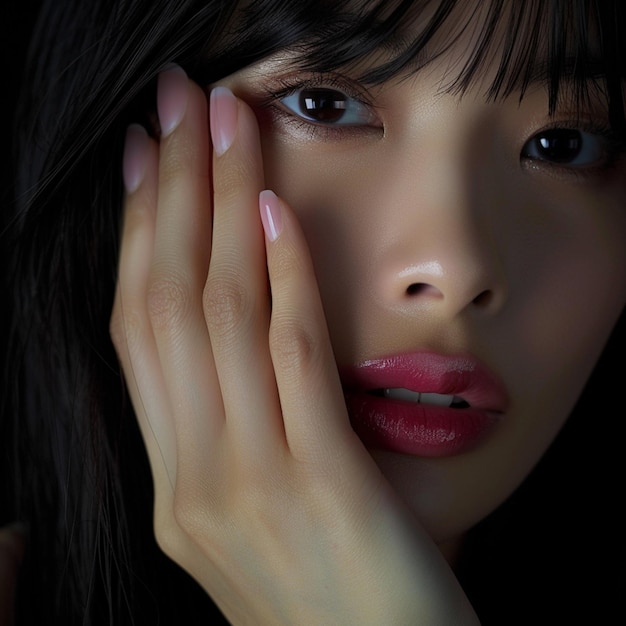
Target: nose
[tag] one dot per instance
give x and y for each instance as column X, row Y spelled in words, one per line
column 449, row 260
column 449, row 285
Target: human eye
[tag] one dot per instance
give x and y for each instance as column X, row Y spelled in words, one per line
column 324, row 107
column 566, row 147
column 328, row 106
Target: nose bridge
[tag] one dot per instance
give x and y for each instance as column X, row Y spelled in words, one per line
column 447, row 250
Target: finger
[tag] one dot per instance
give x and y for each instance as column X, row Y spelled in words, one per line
column 236, row 295
column 131, row 330
column 311, row 397
column 180, row 264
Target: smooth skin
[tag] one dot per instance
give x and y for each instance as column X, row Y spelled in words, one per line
column 520, row 262
column 263, row 492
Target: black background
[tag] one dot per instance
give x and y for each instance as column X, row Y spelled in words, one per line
column 16, row 22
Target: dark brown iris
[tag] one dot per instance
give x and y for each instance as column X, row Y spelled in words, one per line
column 560, row 145
column 323, row 105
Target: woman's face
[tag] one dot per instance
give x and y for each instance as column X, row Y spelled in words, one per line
column 451, row 234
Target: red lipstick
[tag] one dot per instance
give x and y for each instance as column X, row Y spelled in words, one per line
column 423, row 404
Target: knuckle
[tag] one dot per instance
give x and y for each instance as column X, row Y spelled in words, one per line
column 226, row 305
column 185, row 516
column 191, row 513
column 167, row 535
column 292, row 346
column 182, row 517
column 168, row 300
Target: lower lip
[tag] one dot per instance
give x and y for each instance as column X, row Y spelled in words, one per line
column 417, row 429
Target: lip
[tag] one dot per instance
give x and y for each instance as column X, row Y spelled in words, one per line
column 423, row 429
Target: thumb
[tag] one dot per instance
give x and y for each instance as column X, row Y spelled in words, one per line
column 12, row 541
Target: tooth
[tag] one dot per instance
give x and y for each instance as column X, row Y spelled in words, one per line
column 400, row 393
column 436, row 398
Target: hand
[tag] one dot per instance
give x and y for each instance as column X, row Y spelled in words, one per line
column 11, row 553
column 263, row 492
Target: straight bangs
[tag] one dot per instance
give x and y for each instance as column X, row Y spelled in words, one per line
column 574, row 48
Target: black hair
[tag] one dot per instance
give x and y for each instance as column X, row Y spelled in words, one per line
column 72, row 462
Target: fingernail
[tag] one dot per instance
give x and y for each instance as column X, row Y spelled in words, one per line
column 172, row 96
column 270, row 214
column 223, row 118
column 134, row 160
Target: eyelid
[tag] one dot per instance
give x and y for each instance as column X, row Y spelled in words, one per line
column 355, row 113
column 354, row 92
column 285, row 85
column 614, row 145
column 584, row 125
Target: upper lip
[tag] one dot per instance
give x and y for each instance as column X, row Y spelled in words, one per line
column 460, row 375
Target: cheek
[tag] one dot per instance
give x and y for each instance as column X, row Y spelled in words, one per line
column 571, row 290
column 330, row 188
column 314, row 176
column 566, row 266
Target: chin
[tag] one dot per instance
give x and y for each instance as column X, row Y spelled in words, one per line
column 448, row 495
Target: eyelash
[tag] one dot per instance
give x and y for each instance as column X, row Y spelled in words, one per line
column 614, row 147
column 316, row 130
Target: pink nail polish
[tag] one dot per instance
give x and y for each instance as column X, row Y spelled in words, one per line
column 270, row 214
column 223, row 118
column 134, row 160
column 172, row 97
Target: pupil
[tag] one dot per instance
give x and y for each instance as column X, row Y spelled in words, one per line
column 323, row 105
column 560, row 145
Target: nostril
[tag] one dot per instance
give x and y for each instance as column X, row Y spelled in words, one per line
column 484, row 298
column 415, row 289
